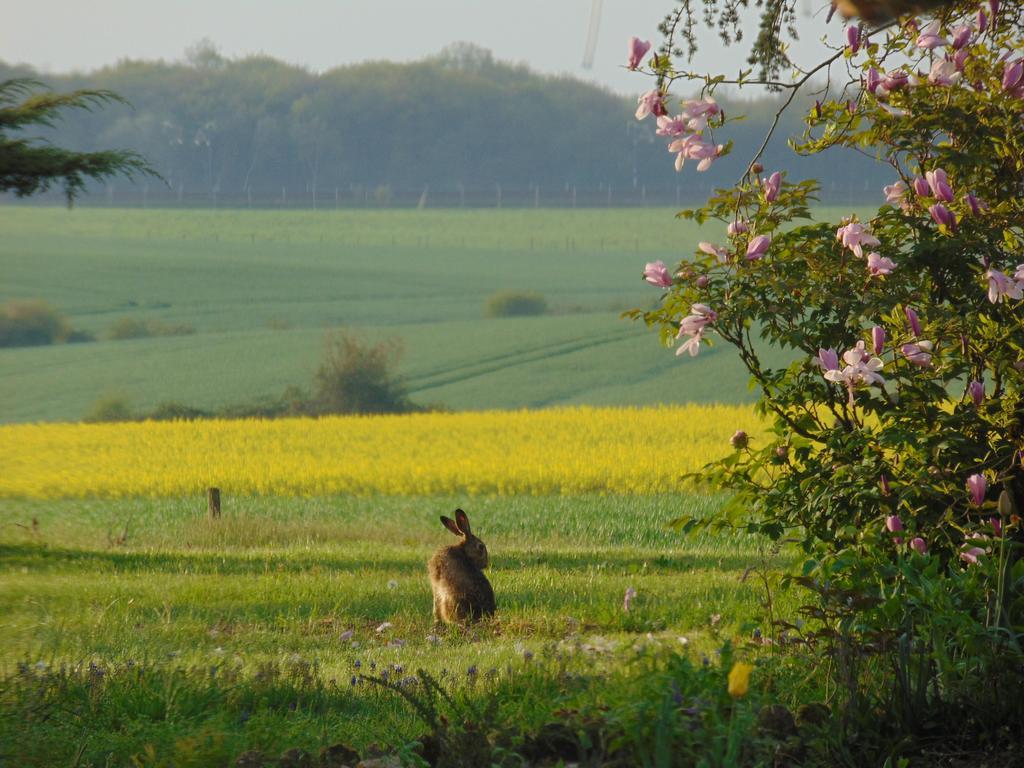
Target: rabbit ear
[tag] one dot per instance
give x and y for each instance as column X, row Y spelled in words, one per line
column 463, row 520
column 451, row 525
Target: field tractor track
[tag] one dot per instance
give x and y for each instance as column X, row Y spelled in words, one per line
column 486, row 366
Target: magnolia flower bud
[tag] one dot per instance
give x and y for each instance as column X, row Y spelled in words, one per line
column 878, row 339
column 977, row 392
column 917, row 544
column 739, row 439
column 1005, row 504
column 976, row 486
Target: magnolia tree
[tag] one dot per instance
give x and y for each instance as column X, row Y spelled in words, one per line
column 894, row 455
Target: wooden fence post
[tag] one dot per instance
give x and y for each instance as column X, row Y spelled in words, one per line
column 213, row 502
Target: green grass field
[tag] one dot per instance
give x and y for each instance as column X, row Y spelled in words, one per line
column 282, row 583
column 261, row 287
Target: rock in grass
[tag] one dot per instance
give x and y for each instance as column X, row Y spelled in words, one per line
column 252, row 758
column 815, row 714
column 776, row 720
column 295, row 758
column 338, row 756
column 388, row 761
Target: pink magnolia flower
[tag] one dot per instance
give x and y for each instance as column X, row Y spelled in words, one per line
column 657, row 274
column 861, row 350
column 877, row 339
column 942, row 216
column 970, row 555
column 997, row 526
column 855, row 236
column 880, row 265
column 993, row 6
column 691, row 346
column 962, row 36
column 702, row 281
column 893, row 524
column 771, row 187
column 873, row 80
column 627, row 599
column 976, row 390
column 853, row 39
column 827, row 360
column 1013, row 78
column 918, row 545
column 671, row 126
column 650, row 103
column 939, row 185
column 894, row 111
column 637, row 49
column 758, row 246
column 739, row 439
column 918, row 353
column 1001, row 287
column 858, row 370
column 705, row 108
column 915, row 324
column 693, row 325
column 713, row 250
column 692, row 147
column 944, row 73
column 921, row 188
column 960, row 59
column 1019, row 274
column 976, row 486
column 974, row 204
column 738, row 227
column 981, row 20
column 894, row 80
column 930, row 37
column 894, row 193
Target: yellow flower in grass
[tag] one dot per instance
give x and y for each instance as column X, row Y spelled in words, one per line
column 739, row 679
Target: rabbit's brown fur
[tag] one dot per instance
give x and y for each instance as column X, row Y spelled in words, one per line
column 461, row 591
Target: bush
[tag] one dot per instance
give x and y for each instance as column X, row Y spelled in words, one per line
column 31, row 323
column 134, row 328
column 357, row 377
column 895, row 454
column 109, row 408
column 174, row 411
column 515, row 304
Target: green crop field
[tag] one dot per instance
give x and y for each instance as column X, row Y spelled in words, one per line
column 260, row 288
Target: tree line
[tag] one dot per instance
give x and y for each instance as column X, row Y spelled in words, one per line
column 454, row 124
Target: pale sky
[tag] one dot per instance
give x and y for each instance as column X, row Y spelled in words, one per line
column 549, row 35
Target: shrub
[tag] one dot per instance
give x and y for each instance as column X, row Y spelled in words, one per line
column 515, row 304
column 895, row 461
column 30, row 323
column 134, row 328
column 109, row 408
column 174, row 411
column 357, row 377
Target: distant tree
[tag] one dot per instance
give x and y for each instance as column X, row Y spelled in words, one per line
column 29, row 165
column 358, row 377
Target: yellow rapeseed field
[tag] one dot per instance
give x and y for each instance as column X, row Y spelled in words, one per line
column 556, row 451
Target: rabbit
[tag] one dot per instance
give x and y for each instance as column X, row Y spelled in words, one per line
column 461, row 591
